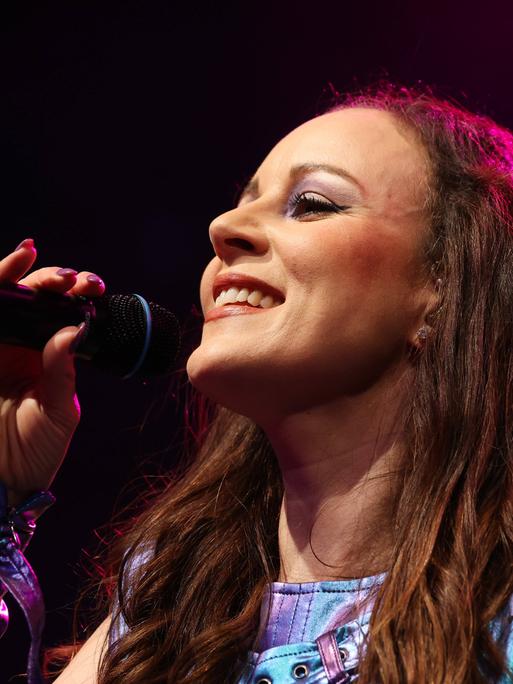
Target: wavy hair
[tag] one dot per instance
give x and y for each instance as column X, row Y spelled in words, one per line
column 194, row 611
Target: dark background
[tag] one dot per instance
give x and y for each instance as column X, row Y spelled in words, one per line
column 126, row 127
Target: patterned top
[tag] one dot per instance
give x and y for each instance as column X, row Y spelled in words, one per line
column 311, row 632
column 314, row 632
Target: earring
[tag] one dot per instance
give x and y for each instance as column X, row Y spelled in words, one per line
column 422, row 333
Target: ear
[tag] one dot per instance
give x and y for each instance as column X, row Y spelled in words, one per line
column 429, row 304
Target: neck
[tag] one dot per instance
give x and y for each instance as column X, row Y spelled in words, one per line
column 340, row 466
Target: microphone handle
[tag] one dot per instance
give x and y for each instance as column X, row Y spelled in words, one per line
column 28, row 317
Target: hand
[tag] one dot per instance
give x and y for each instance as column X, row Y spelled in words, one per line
column 39, row 409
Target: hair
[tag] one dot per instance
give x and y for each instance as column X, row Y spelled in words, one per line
column 194, row 612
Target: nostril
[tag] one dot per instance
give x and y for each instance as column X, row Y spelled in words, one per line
column 240, row 243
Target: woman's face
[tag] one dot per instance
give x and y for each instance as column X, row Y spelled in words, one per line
column 331, row 227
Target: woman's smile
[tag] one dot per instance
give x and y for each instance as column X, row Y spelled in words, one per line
column 236, row 293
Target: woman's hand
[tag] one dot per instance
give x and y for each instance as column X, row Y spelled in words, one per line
column 39, row 410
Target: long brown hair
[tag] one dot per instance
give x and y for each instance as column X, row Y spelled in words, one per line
column 194, row 611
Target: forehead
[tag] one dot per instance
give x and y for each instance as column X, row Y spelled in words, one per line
column 368, row 143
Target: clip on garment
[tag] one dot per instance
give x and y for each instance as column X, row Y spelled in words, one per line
column 312, row 632
column 17, row 576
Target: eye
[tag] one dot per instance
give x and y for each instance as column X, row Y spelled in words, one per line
column 307, row 203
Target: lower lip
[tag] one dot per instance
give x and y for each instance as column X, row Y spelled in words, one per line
column 233, row 310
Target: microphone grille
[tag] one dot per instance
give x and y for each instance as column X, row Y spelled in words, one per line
column 125, row 348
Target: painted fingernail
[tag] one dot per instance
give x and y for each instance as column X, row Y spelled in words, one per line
column 66, row 272
column 92, row 278
column 25, row 244
column 78, row 338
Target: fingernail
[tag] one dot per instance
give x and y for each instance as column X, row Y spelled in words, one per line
column 75, row 342
column 92, row 278
column 25, row 244
column 66, row 272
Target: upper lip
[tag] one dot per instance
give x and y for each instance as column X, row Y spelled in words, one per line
column 223, row 281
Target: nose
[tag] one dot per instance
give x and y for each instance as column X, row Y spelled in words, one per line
column 237, row 233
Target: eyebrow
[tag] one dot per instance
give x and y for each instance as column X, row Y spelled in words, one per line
column 299, row 170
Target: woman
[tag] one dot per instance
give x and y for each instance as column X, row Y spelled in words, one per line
column 349, row 513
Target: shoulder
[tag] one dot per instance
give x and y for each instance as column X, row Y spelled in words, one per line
column 84, row 665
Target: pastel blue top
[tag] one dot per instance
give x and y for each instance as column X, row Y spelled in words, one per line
column 311, row 632
column 314, row 632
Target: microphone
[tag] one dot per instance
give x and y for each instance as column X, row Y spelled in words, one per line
column 124, row 335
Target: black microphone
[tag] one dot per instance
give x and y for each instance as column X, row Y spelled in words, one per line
column 124, row 335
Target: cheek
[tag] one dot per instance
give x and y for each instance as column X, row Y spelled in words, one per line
column 384, row 248
column 358, row 258
column 364, row 260
column 357, row 285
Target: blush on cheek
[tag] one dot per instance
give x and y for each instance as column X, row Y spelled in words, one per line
column 379, row 276
column 366, row 261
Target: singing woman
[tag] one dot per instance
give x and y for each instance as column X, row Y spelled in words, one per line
column 348, row 515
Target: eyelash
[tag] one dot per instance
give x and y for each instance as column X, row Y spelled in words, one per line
column 314, row 204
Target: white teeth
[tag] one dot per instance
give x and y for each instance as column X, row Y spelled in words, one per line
column 220, row 298
column 267, row 302
column 231, row 295
column 255, row 298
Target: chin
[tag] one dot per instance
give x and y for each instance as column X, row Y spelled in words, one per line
column 231, row 382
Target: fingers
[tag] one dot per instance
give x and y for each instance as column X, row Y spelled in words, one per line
column 18, row 262
column 89, row 284
column 57, row 383
column 65, row 280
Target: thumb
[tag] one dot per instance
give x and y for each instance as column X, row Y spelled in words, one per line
column 57, row 382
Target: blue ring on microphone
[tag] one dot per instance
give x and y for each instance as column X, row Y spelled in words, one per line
column 147, row 313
